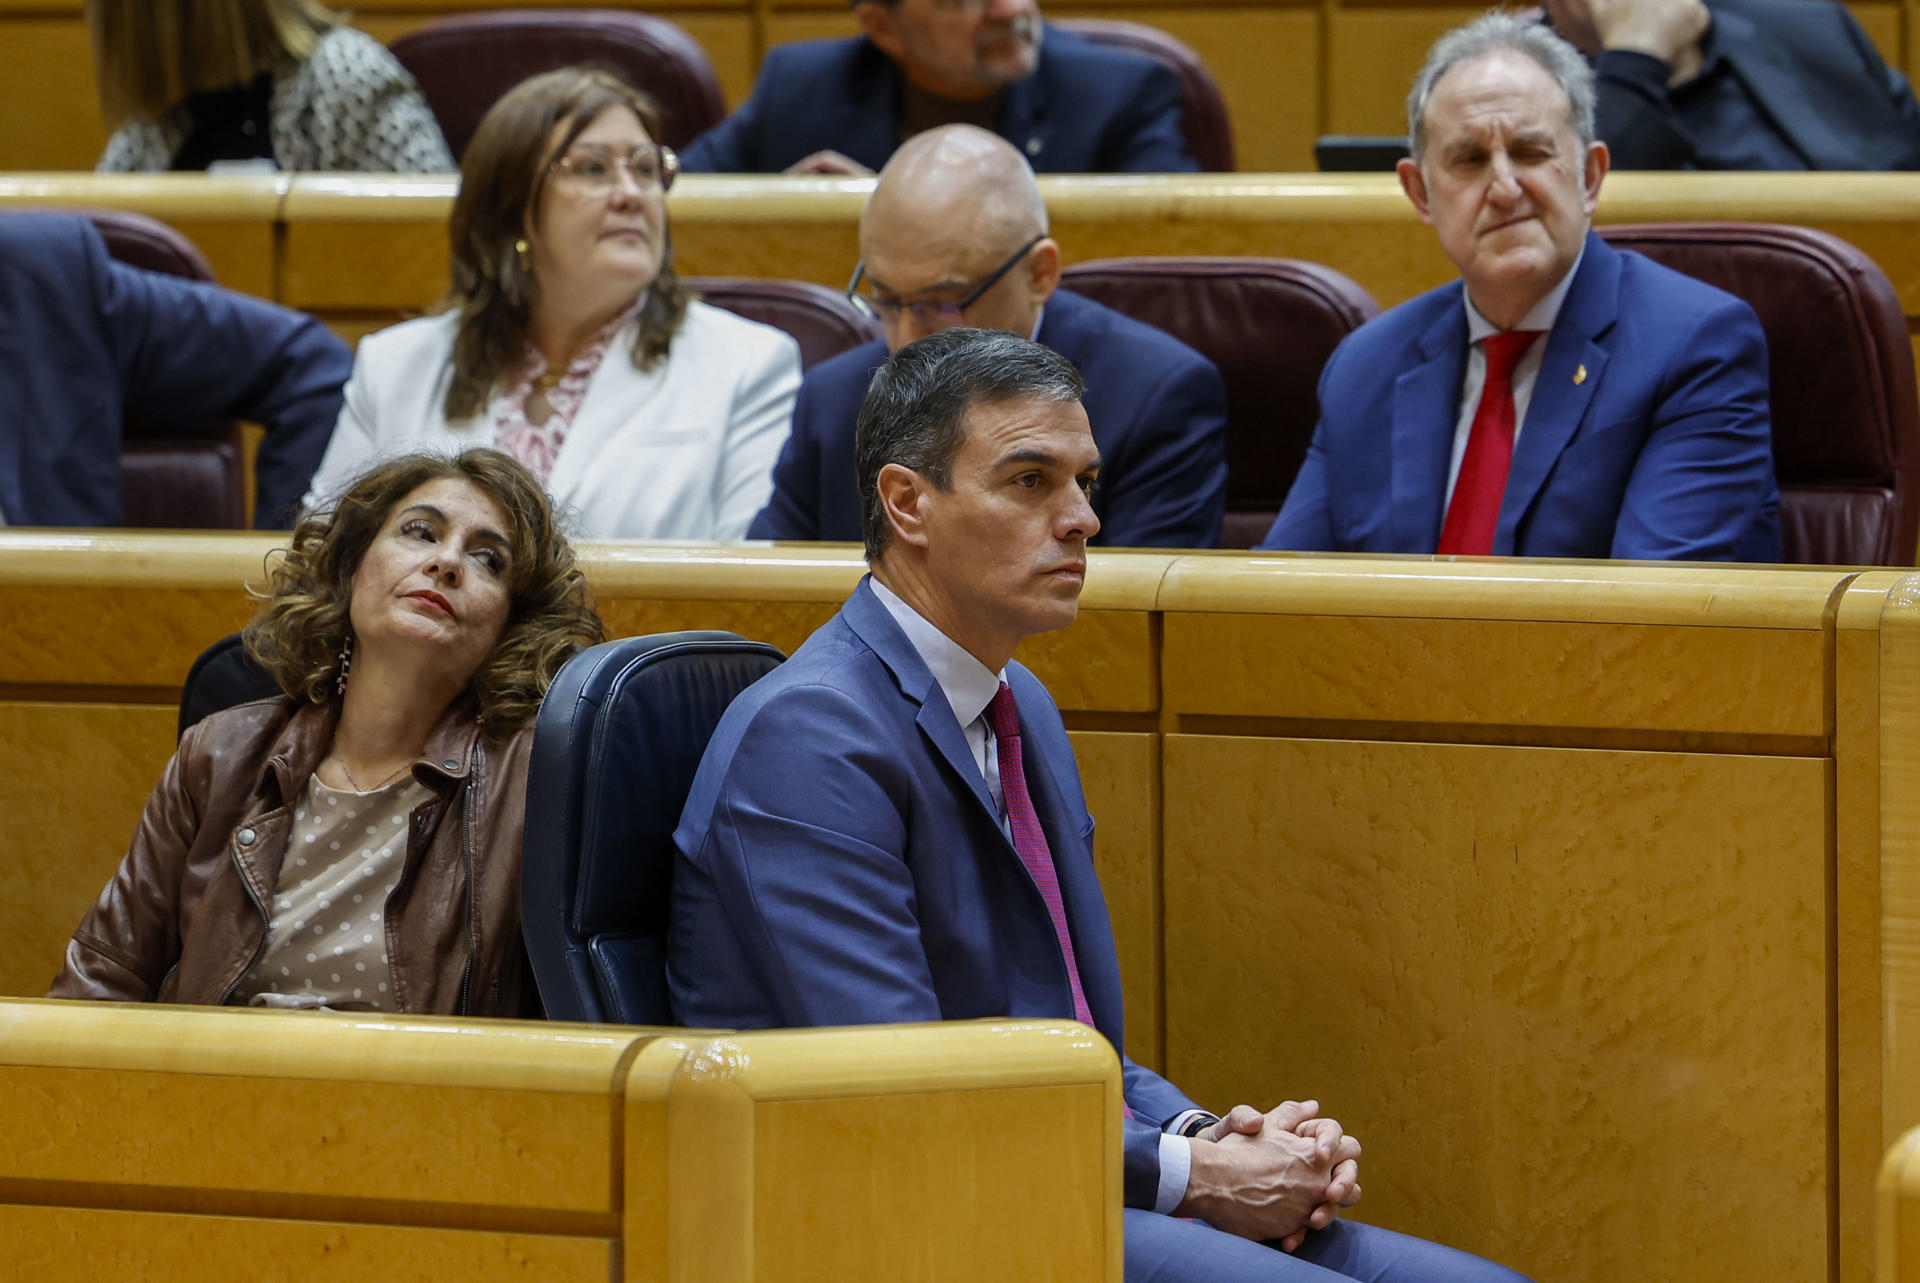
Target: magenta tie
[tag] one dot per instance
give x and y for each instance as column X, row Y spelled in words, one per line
column 1028, row 837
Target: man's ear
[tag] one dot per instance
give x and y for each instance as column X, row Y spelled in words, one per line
column 1599, row 160
column 1414, row 184
column 1043, row 271
column 902, row 493
column 878, row 25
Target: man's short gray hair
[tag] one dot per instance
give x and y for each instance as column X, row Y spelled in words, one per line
column 1491, row 33
column 915, row 413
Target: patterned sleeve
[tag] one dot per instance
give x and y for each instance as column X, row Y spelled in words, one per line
column 138, row 146
column 363, row 112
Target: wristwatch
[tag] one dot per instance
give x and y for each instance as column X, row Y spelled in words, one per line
column 1198, row 1123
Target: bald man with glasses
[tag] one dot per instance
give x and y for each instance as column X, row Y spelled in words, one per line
column 955, row 234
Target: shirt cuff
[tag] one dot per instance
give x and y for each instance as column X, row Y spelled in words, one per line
column 1176, row 1165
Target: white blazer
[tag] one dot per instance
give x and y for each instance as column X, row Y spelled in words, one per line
column 684, row 451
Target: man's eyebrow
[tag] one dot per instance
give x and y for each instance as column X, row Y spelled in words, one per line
column 1042, row 458
column 949, row 283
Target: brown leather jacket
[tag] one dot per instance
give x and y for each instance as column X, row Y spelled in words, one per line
column 185, row 918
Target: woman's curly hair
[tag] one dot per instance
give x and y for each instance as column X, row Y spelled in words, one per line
column 303, row 622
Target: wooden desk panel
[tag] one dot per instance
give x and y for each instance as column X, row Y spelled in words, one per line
column 371, row 1117
column 1563, row 997
column 85, row 1245
column 1019, row 1174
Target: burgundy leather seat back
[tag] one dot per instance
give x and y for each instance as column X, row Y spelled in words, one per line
column 464, row 63
column 172, row 474
column 1846, row 422
column 1203, row 109
column 1269, row 324
column 824, row 322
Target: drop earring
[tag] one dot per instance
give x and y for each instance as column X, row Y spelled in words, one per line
column 346, row 662
column 521, row 248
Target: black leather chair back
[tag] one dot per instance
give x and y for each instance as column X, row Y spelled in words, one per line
column 224, row 676
column 615, row 748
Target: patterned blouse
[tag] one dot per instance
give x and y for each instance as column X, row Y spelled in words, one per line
column 537, row 445
column 327, row 934
column 350, row 106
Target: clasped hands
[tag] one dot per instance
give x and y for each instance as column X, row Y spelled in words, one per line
column 1274, row 1175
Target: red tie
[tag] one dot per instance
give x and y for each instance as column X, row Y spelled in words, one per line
column 1474, row 514
column 1028, row 837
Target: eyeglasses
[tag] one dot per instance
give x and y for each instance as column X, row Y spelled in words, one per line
column 931, row 315
column 595, row 170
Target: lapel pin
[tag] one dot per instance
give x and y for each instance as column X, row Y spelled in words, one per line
column 1579, row 376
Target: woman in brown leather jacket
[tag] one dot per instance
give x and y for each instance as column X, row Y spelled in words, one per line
column 355, row 842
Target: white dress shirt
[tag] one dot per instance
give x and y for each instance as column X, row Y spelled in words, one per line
column 969, row 688
column 1540, row 316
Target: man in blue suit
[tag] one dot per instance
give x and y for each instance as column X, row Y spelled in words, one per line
column 955, row 234
column 841, row 106
column 1741, row 84
column 1564, row 399
column 83, row 339
column 890, row 826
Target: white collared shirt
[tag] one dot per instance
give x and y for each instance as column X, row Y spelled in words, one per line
column 969, row 688
column 1541, row 316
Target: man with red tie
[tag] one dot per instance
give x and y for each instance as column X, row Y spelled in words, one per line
column 1562, row 399
column 890, row 826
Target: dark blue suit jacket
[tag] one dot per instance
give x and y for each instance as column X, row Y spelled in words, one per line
column 1085, row 109
column 1812, row 71
column 82, row 338
column 1663, row 449
column 1159, row 416
column 841, row 862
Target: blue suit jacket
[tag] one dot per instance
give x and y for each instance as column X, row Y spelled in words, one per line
column 1085, row 109
column 1663, row 449
column 82, row 338
column 1811, row 69
column 1158, row 410
column 841, row 862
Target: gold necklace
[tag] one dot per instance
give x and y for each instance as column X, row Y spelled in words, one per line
column 539, row 405
column 355, row 785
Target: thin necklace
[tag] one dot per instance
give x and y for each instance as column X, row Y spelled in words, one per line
column 341, row 758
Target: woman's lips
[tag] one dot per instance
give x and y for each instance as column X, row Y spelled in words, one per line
column 432, row 599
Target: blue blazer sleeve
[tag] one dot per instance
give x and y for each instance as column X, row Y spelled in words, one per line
column 792, row 511
column 808, row 869
column 1148, row 135
column 1171, row 489
column 192, row 351
column 737, row 145
column 1703, row 487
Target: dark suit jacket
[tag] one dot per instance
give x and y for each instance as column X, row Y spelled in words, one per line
column 82, row 338
column 841, row 862
column 1813, row 70
column 1085, row 109
column 1664, row 449
column 1159, row 415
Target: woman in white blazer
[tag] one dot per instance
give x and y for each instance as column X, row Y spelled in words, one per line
column 566, row 340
